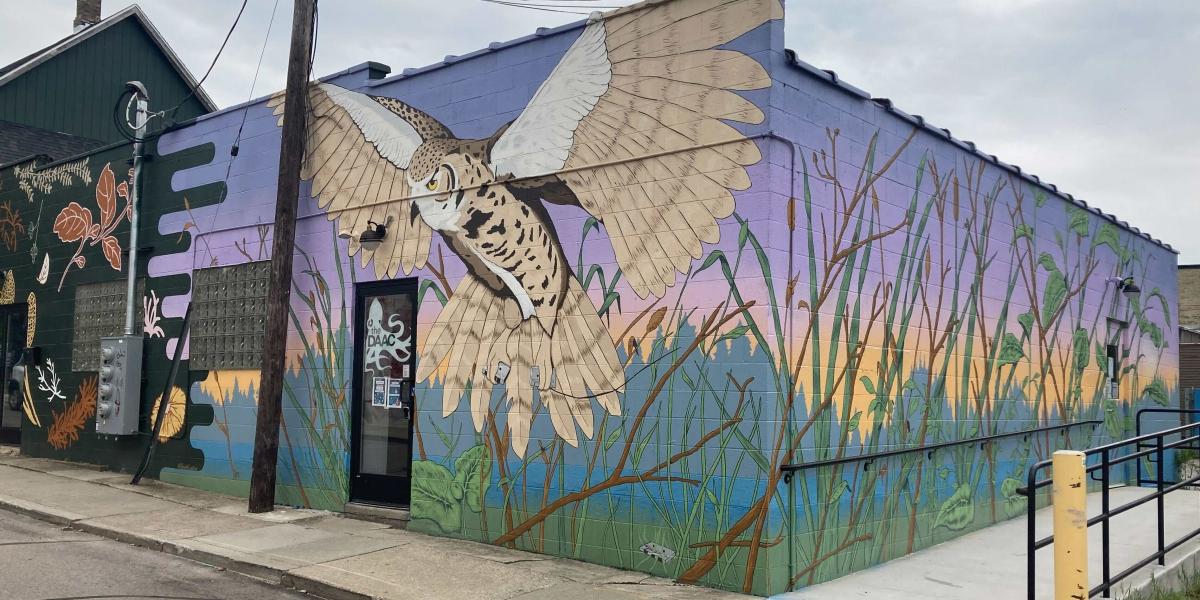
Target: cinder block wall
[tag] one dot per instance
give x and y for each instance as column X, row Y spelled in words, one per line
column 869, row 284
column 954, row 297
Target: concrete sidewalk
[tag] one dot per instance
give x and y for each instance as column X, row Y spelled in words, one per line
column 990, row 563
column 322, row 553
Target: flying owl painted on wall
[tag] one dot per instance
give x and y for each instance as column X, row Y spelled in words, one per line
column 629, row 126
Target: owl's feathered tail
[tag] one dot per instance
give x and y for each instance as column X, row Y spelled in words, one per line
column 565, row 364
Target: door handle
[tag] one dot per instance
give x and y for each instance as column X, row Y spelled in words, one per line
column 410, row 402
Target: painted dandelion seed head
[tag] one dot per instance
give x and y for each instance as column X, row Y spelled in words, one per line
column 173, row 418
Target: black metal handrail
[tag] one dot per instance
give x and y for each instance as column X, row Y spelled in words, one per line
column 1158, row 446
column 1138, row 430
column 930, row 448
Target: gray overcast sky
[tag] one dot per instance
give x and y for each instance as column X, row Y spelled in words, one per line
column 1096, row 96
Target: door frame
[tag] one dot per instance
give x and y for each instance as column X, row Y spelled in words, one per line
column 8, row 434
column 369, row 482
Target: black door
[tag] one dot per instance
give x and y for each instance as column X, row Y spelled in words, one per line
column 12, row 344
column 385, row 318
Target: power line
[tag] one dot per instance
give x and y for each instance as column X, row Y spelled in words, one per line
column 228, row 34
column 233, row 149
column 117, row 122
column 535, row 7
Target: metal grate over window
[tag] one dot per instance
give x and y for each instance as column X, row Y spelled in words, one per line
column 99, row 312
column 229, row 311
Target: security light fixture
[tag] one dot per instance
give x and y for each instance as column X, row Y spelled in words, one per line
column 1129, row 288
column 372, row 236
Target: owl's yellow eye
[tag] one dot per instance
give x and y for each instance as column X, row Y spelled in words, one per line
column 432, row 185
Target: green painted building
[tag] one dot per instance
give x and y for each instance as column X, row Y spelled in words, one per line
column 69, row 89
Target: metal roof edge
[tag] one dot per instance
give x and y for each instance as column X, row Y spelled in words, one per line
column 72, row 158
column 173, row 58
column 21, row 161
column 540, row 33
column 831, row 78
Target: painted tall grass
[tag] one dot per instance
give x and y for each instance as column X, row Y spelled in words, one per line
column 317, row 388
column 959, row 311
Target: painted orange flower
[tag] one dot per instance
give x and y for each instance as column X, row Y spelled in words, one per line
column 74, row 223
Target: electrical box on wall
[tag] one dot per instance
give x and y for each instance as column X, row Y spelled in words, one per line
column 118, row 402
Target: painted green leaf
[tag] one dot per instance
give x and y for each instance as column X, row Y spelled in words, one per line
column 472, row 473
column 1078, row 221
column 1101, row 356
column 957, row 511
column 879, row 406
column 429, row 285
column 1010, row 350
column 1081, row 340
column 641, row 447
column 842, row 487
column 943, row 472
column 1113, row 423
column 686, row 379
column 713, row 257
column 1163, row 303
column 1023, row 231
column 1106, row 235
column 1156, row 336
column 852, row 425
column 1058, row 239
column 1053, row 295
column 735, row 333
column 1157, row 391
column 1047, row 262
column 590, row 224
column 612, row 438
column 1039, row 198
column 1026, row 321
column 867, row 383
column 757, row 456
column 1014, row 503
column 743, row 234
column 436, row 496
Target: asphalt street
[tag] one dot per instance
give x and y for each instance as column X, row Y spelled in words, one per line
column 40, row 561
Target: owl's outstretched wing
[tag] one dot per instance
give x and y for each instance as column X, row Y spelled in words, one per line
column 632, row 122
column 357, row 150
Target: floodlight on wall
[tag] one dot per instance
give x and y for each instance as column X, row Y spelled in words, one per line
column 372, row 236
column 1127, row 287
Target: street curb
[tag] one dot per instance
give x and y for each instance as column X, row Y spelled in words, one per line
column 320, row 589
column 117, row 535
column 39, row 512
column 271, row 575
column 1169, row 577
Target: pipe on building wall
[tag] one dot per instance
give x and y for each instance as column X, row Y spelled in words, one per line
column 142, row 99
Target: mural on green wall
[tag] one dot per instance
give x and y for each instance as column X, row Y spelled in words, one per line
column 67, row 225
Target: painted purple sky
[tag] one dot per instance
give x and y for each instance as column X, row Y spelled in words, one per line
column 1095, row 97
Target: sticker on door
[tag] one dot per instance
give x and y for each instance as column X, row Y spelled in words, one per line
column 385, row 341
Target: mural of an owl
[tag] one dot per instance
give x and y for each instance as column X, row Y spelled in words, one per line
column 630, row 126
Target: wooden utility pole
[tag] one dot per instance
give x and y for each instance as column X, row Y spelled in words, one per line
column 291, row 153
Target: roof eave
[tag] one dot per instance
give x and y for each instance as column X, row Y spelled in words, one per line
column 131, row 10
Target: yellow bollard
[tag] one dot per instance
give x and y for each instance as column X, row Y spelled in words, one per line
column 1070, row 526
